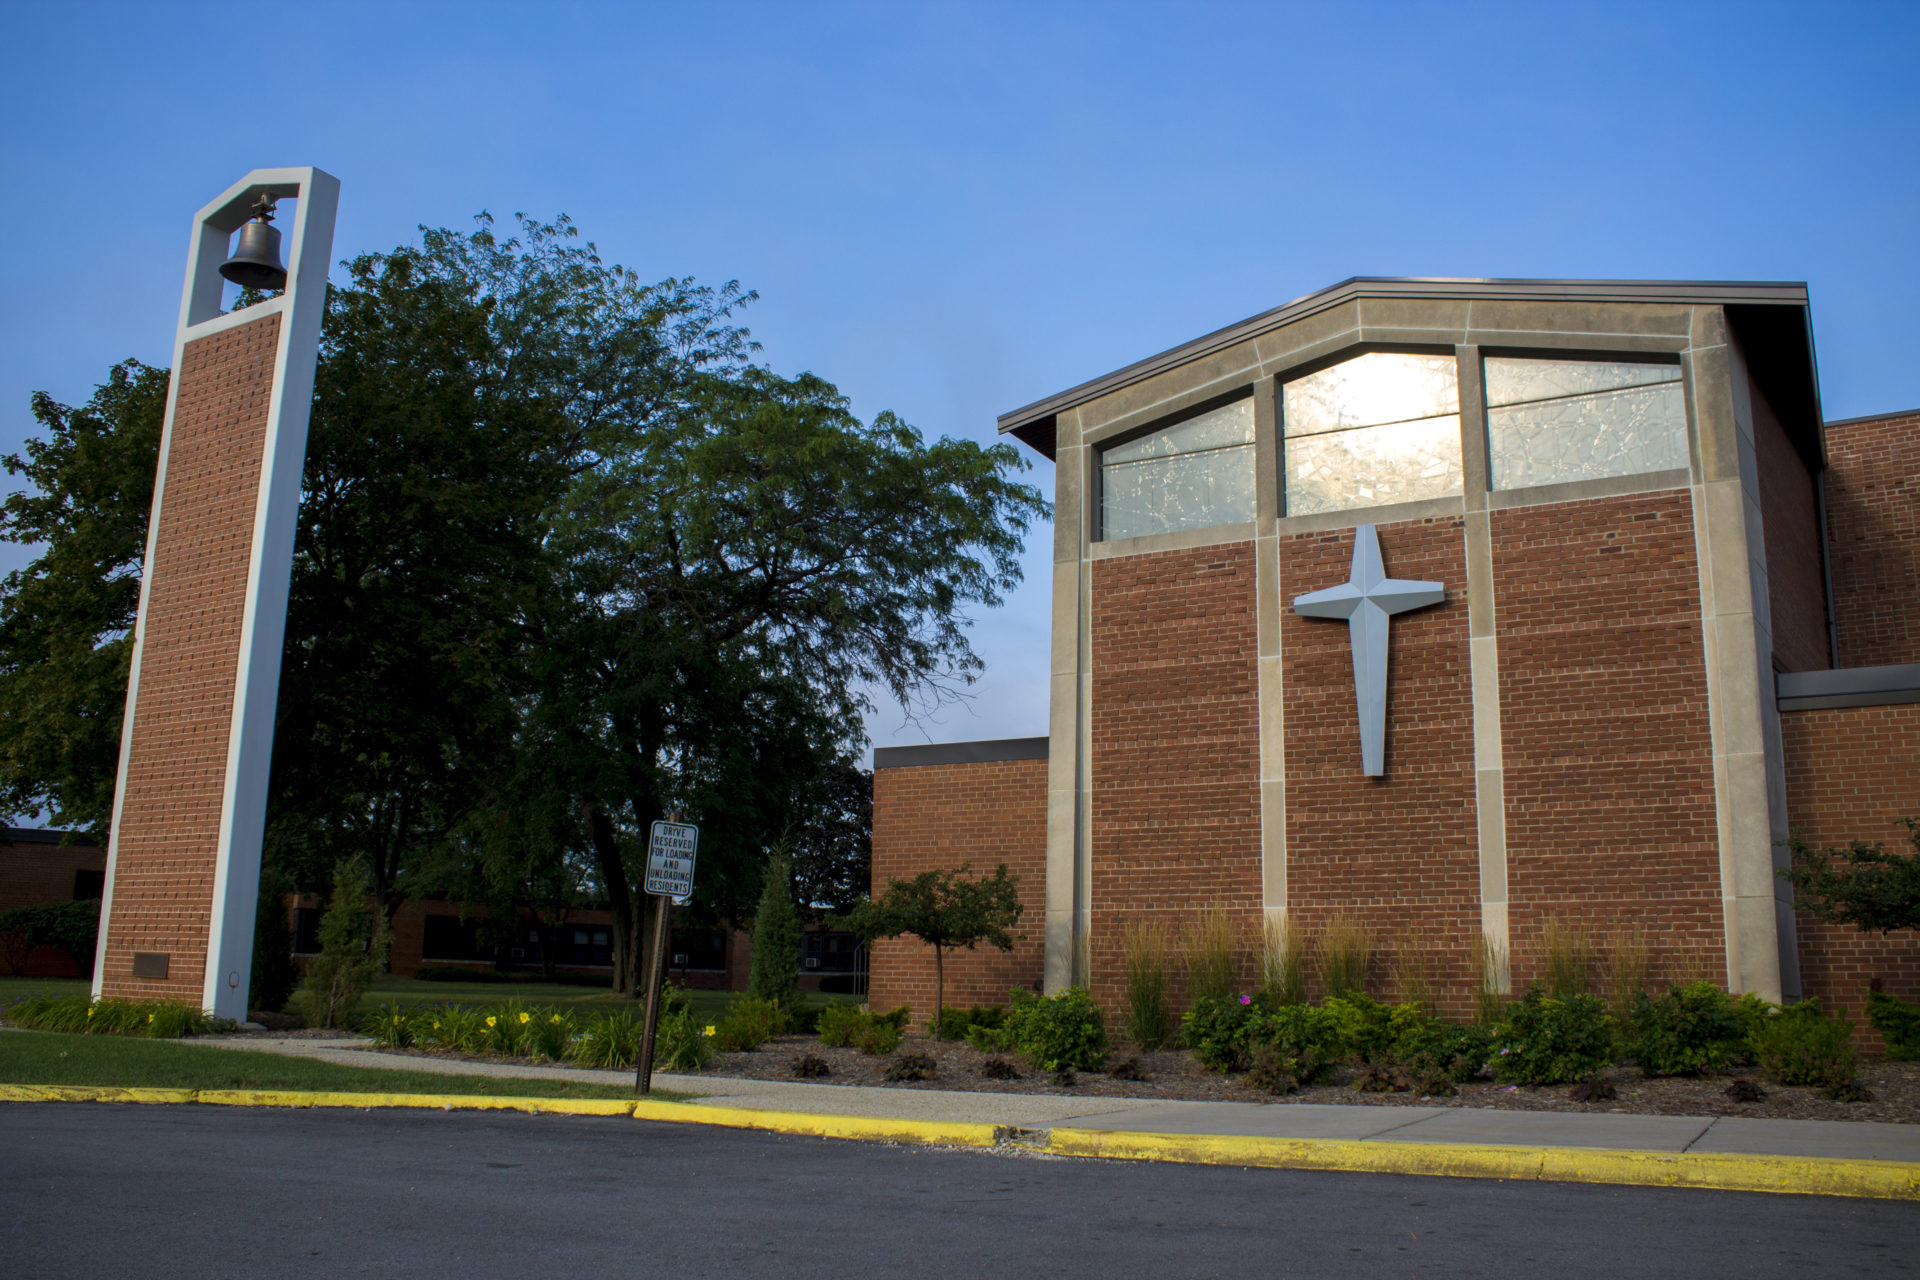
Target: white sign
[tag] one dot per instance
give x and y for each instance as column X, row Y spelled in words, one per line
column 670, row 855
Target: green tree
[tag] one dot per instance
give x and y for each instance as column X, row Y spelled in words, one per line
column 353, row 950
column 274, row 976
column 775, row 970
column 944, row 909
column 833, row 845
column 67, row 618
column 1868, row 886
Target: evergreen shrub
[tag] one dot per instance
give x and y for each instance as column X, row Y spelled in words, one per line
column 1062, row 1032
column 1898, row 1023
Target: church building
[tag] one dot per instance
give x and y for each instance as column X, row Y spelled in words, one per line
column 1461, row 610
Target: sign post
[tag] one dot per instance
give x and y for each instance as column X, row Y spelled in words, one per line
column 671, row 852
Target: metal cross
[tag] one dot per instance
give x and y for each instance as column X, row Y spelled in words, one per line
column 1366, row 600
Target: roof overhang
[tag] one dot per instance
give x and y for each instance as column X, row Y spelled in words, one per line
column 1772, row 319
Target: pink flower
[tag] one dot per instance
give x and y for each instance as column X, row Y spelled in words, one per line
column 1246, row 999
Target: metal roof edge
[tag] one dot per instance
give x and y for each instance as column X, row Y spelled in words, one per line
column 1872, row 417
column 979, row 752
column 1750, row 292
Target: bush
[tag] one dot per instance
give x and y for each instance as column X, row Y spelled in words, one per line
column 1552, row 1040
column 1898, row 1024
column 801, row 1019
column 879, row 1038
column 1145, row 955
column 990, row 1039
column 955, row 1023
column 840, row 1025
column 811, row 1066
column 1063, row 1032
column 72, row 927
column 774, row 972
column 1801, row 1045
column 682, row 1042
column 1687, row 1031
column 1435, row 1056
column 610, row 1040
column 81, row 1015
column 1365, row 1029
column 353, row 948
column 1219, row 1030
column 748, row 1024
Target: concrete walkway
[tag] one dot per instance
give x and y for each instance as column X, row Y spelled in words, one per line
column 1819, row 1139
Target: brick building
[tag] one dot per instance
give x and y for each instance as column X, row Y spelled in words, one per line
column 1621, row 612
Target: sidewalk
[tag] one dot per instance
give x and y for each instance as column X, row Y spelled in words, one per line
column 1410, row 1125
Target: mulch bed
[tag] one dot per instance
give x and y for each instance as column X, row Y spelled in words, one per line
column 1174, row 1075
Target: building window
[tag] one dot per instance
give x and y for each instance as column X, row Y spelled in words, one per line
column 703, row 951
column 1379, row 428
column 830, row 952
column 1191, row 475
column 450, row 938
column 1550, row 421
column 590, row 945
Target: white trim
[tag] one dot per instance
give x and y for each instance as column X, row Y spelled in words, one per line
column 263, row 627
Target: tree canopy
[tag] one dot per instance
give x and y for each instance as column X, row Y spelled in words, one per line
column 944, row 908
column 1868, row 886
column 568, row 559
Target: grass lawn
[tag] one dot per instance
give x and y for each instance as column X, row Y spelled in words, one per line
column 44, row 1057
column 12, row 989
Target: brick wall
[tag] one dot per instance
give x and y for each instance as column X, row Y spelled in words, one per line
column 940, row 816
column 1790, row 512
column 1400, row 853
column 1851, row 771
column 1605, row 739
column 1175, row 747
column 1873, row 527
column 170, row 811
column 35, row 872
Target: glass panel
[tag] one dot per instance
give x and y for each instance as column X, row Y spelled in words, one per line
column 1511, row 380
column 1190, row 475
column 1228, row 425
column 1555, row 421
column 1370, row 390
column 1187, row 491
column 1372, row 466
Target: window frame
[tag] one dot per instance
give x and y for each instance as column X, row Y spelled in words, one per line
column 1577, row 355
column 1308, row 368
column 1187, row 413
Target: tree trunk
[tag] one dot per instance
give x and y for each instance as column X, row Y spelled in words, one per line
column 613, row 874
column 939, row 987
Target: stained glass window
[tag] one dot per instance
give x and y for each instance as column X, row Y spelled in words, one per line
column 1379, row 428
column 1193, row 474
column 1551, row 421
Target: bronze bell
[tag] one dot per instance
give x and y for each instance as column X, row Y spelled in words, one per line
column 255, row 263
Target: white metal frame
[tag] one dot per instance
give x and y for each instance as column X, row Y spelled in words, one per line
column 264, row 621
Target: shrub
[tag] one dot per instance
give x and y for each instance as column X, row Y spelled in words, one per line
column 1271, row 1071
column 1345, row 953
column 1625, row 971
column 1568, row 956
column 955, row 1023
column 1363, row 1028
column 1060, row 1032
column 1435, row 1056
column 774, row 972
column 1145, row 953
column 840, row 1025
column 1552, row 1040
column 1128, row 1070
column 990, row 1039
column 811, row 1066
column 610, row 1040
column 1687, row 1031
column 1209, row 956
column 353, row 948
column 1801, row 1045
column 1228, row 1035
column 748, row 1024
column 550, row 1034
column 879, row 1038
column 1493, row 979
column 72, row 927
column 1283, row 961
column 909, row 1067
column 802, row 1019
column 392, row 1026
column 1219, row 1030
column 681, row 1042
column 1898, row 1024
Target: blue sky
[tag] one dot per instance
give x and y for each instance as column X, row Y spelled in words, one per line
column 953, row 210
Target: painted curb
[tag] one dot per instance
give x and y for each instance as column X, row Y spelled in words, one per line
column 1790, row 1175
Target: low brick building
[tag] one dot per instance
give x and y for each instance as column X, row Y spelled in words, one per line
column 1621, row 612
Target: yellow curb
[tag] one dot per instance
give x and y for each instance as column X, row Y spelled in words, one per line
column 1800, row 1175
column 937, row 1133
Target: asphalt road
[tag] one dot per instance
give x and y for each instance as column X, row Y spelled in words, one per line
column 144, row 1191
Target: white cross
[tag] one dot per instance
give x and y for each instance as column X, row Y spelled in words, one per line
column 1366, row 600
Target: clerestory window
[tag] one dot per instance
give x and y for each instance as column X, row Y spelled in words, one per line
column 1379, row 428
column 1550, row 420
column 1193, row 474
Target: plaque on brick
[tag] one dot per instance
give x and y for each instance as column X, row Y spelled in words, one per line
column 150, row 964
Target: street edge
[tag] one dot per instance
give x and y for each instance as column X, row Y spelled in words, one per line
column 1792, row 1175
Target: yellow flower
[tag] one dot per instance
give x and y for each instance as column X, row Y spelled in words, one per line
column 555, row 1019
column 525, row 1018
column 89, row 1013
column 149, row 1017
column 708, row 1031
column 436, row 1026
column 490, row 1020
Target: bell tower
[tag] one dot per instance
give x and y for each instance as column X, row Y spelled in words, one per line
column 183, row 859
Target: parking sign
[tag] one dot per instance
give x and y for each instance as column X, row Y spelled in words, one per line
column 670, row 856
